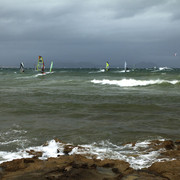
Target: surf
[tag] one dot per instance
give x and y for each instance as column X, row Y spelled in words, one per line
column 133, row 82
column 139, row 155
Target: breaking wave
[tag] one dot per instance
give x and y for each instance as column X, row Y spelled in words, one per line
column 132, row 82
column 139, row 155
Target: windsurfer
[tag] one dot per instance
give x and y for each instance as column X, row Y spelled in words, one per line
column 40, row 66
column 42, row 70
column 107, row 66
column 21, row 67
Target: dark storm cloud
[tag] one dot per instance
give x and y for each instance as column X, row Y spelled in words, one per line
column 92, row 31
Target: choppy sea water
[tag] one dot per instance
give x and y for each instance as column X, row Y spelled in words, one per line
column 89, row 107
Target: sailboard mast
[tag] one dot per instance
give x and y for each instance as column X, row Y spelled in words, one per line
column 51, row 66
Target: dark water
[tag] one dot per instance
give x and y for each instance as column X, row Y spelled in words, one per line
column 82, row 106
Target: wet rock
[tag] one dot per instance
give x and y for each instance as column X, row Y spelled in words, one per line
column 130, row 143
column 133, row 144
column 168, row 169
column 156, row 144
column 65, row 167
column 35, row 153
column 68, row 168
column 177, row 142
column 175, row 154
column 28, row 160
column 68, row 149
column 121, row 166
column 79, row 167
column 143, row 175
column 168, row 145
column 14, row 165
column 59, row 141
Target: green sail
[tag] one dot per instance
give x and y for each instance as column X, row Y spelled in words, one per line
column 51, row 66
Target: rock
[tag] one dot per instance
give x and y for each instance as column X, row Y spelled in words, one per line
column 171, row 154
column 65, row 167
column 80, row 167
column 35, row 153
column 59, row 141
column 68, row 149
column 143, row 175
column 168, row 169
column 156, row 145
column 68, row 168
column 177, row 142
column 14, row 165
column 168, row 145
column 121, row 166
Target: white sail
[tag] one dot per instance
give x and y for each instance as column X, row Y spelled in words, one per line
column 125, row 66
column 21, row 67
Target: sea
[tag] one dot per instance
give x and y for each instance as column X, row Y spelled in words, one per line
column 98, row 110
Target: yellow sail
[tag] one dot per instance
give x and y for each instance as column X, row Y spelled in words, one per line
column 40, row 64
column 107, row 66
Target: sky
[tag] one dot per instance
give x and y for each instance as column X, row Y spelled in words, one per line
column 87, row 33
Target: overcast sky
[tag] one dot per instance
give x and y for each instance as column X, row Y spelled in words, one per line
column 76, row 33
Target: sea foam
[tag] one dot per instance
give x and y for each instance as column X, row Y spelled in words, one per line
column 139, row 155
column 132, row 82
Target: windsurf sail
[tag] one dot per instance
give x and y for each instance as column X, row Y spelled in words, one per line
column 107, row 66
column 125, row 66
column 51, row 66
column 21, row 67
column 40, row 66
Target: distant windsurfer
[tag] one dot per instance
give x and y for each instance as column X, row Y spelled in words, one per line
column 40, row 66
column 107, row 66
column 21, row 67
column 42, row 70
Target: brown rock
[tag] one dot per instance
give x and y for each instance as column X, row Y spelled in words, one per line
column 143, row 175
column 169, row 169
column 168, row 145
column 156, row 145
column 121, row 166
column 79, row 167
column 68, row 149
column 65, row 167
column 175, row 154
column 34, row 153
column 177, row 142
column 14, row 165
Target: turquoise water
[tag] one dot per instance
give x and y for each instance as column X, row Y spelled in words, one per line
column 83, row 106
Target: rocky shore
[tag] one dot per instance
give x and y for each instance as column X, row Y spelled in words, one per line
column 80, row 167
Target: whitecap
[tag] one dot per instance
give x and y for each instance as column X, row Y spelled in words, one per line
column 139, row 155
column 132, row 82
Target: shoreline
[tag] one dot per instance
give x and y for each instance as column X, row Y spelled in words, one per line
column 82, row 166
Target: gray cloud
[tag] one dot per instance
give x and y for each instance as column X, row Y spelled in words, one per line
column 90, row 31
